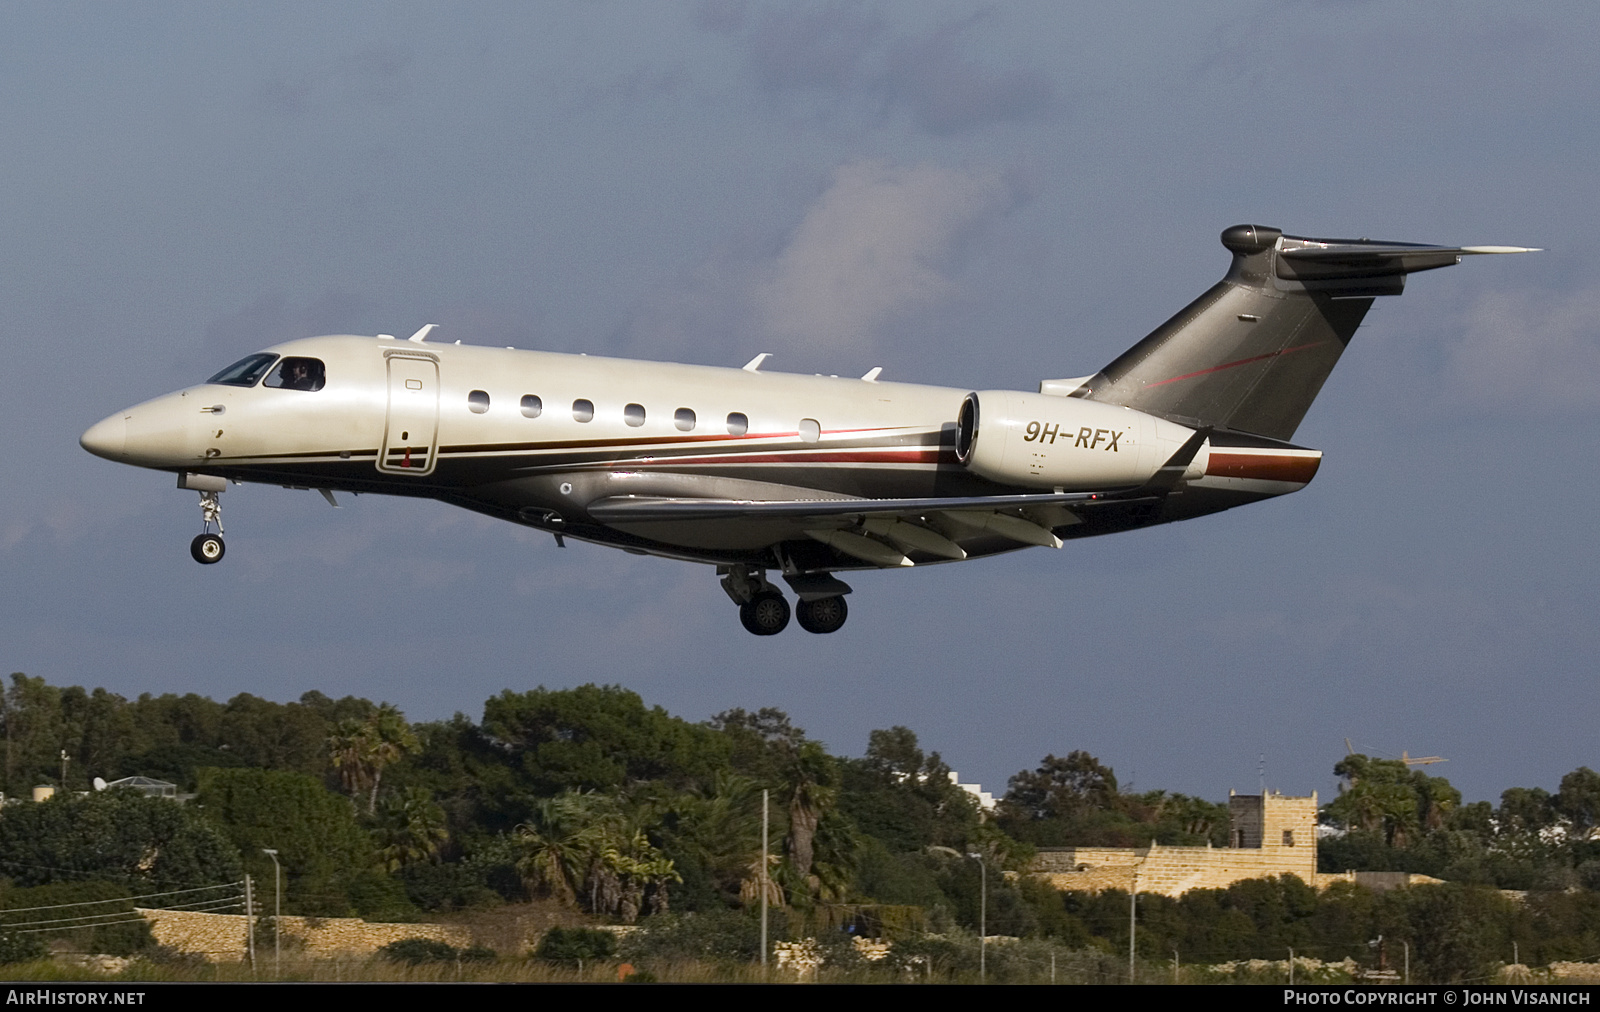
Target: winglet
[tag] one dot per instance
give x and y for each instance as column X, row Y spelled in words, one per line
column 873, row 374
column 422, row 335
column 754, row 365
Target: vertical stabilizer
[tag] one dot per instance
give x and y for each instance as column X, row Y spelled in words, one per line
column 1252, row 353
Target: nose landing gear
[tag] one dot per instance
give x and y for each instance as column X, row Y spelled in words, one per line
column 207, row 548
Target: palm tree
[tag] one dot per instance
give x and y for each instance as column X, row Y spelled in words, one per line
column 558, row 846
column 349, row 749
column 392, row 738
column 813, row 790
column 412, row 829
column 360, row 749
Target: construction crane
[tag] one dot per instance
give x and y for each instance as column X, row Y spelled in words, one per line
column 1405, row 757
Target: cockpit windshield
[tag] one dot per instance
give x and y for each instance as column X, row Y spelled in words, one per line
column 246, row 371
column 295, row 373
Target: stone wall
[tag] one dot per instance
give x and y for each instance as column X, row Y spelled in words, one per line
column 222, row 936
column 1273, row 835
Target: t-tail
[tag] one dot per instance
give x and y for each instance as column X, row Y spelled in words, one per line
column 1251, row 354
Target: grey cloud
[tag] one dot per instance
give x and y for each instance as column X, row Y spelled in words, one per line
column 723, row 17
column 844, row 53
column 1532, row 351
column 946, row 93
column 878, row 245
column 808, row 47
column 373, row 76
column 874, row 246
column 272, row 319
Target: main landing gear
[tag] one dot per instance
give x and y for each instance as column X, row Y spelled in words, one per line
column 764, row 612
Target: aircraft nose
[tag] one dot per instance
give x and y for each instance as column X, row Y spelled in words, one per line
column 107, row 438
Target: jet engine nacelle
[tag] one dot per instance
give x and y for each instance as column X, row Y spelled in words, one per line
column 1044, row 441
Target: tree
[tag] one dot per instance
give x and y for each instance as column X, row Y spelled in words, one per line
column 598, row 738
column 275, row 736
column 1063, row 788
column 120, row 836
column 762, row 744
column 593, row 849
column 904, row 797
column 31, row 711
column 330, row 865
column 1578, row 801
column 1388, row 797
column 410, row 829
column 360, row 749
column 811, row 790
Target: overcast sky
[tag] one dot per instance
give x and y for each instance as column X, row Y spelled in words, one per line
column 975, row 195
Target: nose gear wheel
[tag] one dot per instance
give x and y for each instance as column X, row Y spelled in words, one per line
column 207, row 548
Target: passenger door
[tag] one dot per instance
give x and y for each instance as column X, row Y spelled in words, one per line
column 412, row 425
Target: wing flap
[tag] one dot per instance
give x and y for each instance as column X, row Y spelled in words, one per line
column 632, row 509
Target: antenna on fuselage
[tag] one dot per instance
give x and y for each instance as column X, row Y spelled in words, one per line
column 422, row 335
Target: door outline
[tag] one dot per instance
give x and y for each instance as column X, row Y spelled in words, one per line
column 411, row 413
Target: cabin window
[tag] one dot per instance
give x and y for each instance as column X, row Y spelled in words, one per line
column 246, row 371
column 478, row 401
column 738, row 424
column 295, row 373
column 633, row 414
column 583, row 410
column 532, row 406
column 810, row 430
column 683, row 418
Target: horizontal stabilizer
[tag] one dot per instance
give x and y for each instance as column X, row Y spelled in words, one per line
column 1320, row 259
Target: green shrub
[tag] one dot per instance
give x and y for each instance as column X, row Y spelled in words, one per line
column 16, row 948
column 416, row 951
column 569, row 945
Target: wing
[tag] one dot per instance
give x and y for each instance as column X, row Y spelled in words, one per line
column 883, row 532
column 624, row 509
column 886, row 532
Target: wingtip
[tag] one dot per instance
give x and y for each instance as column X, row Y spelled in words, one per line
column 1501, row 249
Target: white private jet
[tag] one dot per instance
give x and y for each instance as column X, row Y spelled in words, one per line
column 762, row 473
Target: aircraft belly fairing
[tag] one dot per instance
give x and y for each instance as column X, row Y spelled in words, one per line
column 800, row 476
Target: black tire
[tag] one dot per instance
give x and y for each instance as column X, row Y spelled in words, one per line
column 766, row 614
column 207, row 548
column 824, row 615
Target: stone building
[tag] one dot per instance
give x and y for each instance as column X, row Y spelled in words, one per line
column 1271, row 834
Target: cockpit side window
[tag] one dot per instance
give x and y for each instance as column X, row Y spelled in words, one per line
column 246, row 371
column 295, row 373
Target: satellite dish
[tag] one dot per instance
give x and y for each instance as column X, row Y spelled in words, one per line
column 99, row 783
